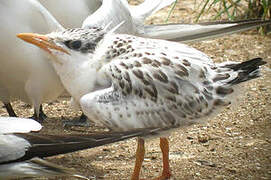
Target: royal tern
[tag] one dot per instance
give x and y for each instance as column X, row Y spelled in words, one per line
column 33, row 81
column 136, row 82
column 21, row 151
column 14, row 147
column 25, row 73
column 113, row 12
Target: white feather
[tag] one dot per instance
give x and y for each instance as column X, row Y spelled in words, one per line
column 18, row 125
column 69, row 13
column 25, row 72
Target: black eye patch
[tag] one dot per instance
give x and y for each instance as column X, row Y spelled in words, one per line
column 76, row 44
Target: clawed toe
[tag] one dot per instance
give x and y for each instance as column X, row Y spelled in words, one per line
column 82, row 121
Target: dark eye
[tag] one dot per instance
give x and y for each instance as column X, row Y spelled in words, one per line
column 76, row 44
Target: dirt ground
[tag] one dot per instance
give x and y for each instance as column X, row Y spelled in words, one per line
column 234, row 145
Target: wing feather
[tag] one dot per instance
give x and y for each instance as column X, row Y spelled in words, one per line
column 154, row 83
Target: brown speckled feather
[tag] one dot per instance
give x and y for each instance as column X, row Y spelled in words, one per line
column 157, row 83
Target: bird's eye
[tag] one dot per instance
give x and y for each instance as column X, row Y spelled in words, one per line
column 76, row 44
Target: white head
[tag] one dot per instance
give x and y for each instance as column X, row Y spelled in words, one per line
column 71, row 53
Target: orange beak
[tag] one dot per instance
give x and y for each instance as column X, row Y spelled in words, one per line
column 41, row 41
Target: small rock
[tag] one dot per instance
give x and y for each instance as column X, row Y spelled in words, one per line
column 232, row 170
column 219, row 177
column 203, row 138
column 212, row 149
column 205, row 163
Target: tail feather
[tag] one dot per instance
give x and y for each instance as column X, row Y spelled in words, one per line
column 50, row 145
column 246, row 70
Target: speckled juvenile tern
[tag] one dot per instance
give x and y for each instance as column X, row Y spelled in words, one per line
column 25, row 73
column 127, row 82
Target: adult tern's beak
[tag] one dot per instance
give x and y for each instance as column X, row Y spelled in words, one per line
column 41, row 41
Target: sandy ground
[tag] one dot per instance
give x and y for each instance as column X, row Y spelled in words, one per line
column 234, row 145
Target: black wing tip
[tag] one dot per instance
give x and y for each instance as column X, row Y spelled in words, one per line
column 254, row 63
column 251, row 64
column 246, row 70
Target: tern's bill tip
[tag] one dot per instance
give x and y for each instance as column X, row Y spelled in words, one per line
column 26, row 36
column 22, row 35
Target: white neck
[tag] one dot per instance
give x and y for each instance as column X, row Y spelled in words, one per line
column 78, row 79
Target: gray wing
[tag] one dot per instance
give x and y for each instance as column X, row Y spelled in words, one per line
column 154, row 83
column 24, row 146
column 201, row 31
column 116, row 12
column 18, row 150
column 35, row 167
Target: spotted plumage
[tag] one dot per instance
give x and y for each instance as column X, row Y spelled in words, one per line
column 78, row 39
column 131, row 82
column 156, row 82
column 127, row 82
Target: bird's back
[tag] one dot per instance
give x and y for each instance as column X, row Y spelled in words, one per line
column 158, row 83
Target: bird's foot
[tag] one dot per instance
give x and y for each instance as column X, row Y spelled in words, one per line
column 162, row 177
column 41, row 117
column 81, row 121
column 166, row 175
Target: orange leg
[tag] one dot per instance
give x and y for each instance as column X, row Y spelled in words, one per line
column 165, row 151
column 140, row 152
